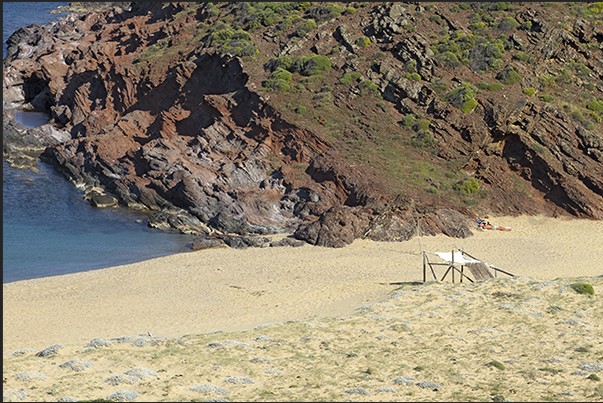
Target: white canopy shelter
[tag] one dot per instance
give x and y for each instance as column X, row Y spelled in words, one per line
column 457, row 261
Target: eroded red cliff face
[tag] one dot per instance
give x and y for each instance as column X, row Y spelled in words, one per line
column 195, row 139
column 189, row 135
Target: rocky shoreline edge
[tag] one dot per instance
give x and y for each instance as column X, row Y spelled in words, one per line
column 189, row 136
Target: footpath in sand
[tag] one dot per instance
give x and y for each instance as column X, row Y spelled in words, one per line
column 313, row 323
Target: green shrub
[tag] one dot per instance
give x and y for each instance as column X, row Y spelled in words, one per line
column 274, row 63
column 463, row 97
column 593, row 377
column 468, row 105
column 233, row 42
column 577, row 115
column 363, row 42
column 276, row 84
column 495, row 87
column 422, row 125
column 508, row 76
column 413, row 76
column 448, row 59
column 583, row 288
column 579, row 68
column 301, row 109
column 527, row 25
column 349, row 77
column 466, row 186
column 529, row 91
column 482, row 85
column 596, row 117
column 497, row 365
column 596, row 8
column 484, row 57
column 220, row 35
column 367, row 87
column 423, row 139
column 504, row 6
column 408, row 121
column 476, row 26
column 282, row 74
column 305, row 27
column 546, row 98
column 590, row 86
column 523, row 57
column 547, row 81
column 310, row 65
column 350, row 10
column 410, row 65
column 487, row 18
column 595, row 105
column 325, row 12
column 508, row 24
column 564, row 76
column 439, row 86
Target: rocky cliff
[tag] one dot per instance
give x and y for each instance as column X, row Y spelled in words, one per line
column 331, row 121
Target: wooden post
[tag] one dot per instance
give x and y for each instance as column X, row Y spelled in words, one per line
column 424, row 268
column 462, row 273
column 453, row 266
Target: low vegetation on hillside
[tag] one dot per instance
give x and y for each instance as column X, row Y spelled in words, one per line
column 468, row 54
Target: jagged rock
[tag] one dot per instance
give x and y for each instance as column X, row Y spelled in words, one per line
column 182, row 221
column 18, row 140
column 22, row 161
column 205, row 243
column 337, row 227
column 243, row 242
column 100, row 200
column 287, row 242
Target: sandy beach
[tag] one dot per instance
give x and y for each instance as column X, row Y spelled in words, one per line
column 227, row 290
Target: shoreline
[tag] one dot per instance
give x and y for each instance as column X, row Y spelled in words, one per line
column 229, row 289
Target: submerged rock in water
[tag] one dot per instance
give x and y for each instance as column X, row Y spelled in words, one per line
column 100, row 200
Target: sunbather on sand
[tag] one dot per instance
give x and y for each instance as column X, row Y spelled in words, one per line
column 486, row 225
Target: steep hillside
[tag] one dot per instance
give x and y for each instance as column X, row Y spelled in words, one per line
column 330, row 120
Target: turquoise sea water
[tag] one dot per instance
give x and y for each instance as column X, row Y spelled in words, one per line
column 48, row 228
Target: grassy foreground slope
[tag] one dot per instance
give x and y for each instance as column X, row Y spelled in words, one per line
column 515, row 339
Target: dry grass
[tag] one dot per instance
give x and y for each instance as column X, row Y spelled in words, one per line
column 441, row 334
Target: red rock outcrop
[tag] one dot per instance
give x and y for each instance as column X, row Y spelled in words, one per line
column 187, row 134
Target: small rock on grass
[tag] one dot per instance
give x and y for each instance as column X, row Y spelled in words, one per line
column 23, row 351
column 403, row 380
column 50, row 351
column 429, row 385
column 208, row 389
column 76, row 364
column 29, row 376
column 123, row 395
column 140, row 373
column 13, row 395
column 237, row 380
column 359, row 391
column 122, row 378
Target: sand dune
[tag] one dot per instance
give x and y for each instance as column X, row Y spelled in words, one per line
column 239, row 290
